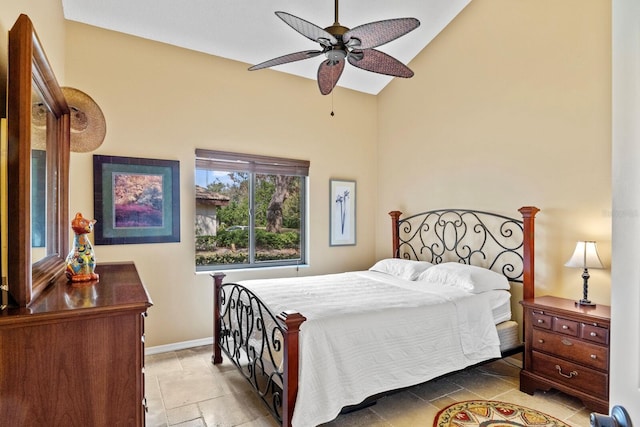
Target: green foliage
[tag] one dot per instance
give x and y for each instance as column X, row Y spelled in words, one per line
column 240, row 238
column 242, row 257
column 223, row 258
column 205, row 243
column 270, row 256
column 237, row 212
column 265, row 187
column 286, row 240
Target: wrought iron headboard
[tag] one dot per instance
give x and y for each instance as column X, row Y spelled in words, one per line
column 485, row 239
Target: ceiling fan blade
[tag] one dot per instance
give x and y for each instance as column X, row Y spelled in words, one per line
column 375, row 34
column 298, row 56
column 328, row 74
column 379, row 62
column 307, row 29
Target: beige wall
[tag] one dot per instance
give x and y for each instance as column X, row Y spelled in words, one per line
column 510, row 106
column 164, row 102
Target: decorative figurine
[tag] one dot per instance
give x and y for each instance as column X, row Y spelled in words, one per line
column 81, row 261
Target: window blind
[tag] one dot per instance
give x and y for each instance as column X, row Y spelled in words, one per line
column 234, row 162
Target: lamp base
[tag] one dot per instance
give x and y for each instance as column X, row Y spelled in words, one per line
column 586, row 302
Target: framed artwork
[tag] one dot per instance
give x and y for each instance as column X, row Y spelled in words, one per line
column 342, row 212
column 136, row 200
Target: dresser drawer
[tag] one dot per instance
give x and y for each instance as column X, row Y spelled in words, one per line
column 594, row 333
column 564, row 326
column 571, row 374
column 541, row 320
column 588, row 354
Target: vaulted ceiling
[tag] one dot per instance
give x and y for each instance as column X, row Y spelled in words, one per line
column 249, row 31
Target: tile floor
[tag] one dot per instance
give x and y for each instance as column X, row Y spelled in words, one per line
column 184, row 389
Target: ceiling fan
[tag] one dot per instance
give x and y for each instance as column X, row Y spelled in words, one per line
column 339, row 43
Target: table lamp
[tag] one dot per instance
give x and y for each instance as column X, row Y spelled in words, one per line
column 585, row 256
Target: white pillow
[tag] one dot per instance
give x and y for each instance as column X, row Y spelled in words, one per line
column 403, row 268
column 466, row 277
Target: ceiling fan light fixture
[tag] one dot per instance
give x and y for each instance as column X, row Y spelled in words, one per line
column 354, row 43
column 324, row 41
column 336, row 54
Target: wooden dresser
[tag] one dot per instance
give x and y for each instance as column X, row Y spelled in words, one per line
column 75, row 356
column 567, row 348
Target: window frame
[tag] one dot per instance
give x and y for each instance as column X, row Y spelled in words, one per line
column 257, row 164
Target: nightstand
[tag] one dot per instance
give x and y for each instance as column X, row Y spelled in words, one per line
column 567, row 348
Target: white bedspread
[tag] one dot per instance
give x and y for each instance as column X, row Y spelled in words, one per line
column 368, row 332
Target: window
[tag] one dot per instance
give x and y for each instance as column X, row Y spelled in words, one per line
column 250, row 210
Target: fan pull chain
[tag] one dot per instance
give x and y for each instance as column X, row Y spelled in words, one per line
column 332, row 113
column 333, row 79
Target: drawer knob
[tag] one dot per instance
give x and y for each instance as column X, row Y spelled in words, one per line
column 541, row 341
column 569, row 375
column 540, row 320
column 593, row 334
column 594, row 357
column 565, row 327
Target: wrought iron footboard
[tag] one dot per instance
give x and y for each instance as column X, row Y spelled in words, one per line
column 262, row 345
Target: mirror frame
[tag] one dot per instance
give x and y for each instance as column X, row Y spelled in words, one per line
column 29, row 70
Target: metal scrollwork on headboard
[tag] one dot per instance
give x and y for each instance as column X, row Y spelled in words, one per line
column 472, row 237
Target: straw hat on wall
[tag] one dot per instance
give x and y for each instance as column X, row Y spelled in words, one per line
column 88, row 126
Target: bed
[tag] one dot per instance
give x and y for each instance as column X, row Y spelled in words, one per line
column 436, row 306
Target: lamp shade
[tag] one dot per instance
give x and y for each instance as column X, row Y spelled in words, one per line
column 585, row 256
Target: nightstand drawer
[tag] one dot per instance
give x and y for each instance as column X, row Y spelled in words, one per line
column 541, row 320
column 571, row 374
column 588, row 354
column 564, row 326
column 568, row 349
column 595, row 333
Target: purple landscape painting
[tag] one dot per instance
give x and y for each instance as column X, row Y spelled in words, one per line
column 137, row 200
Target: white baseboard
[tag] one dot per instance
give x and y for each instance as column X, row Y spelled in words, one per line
column 177, row 346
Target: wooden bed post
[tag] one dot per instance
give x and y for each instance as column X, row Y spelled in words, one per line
column 217, row 354
column 528, row 250
column 292, row 320
column 395, row 239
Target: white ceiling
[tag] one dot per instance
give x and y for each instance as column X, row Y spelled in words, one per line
column 250, row 32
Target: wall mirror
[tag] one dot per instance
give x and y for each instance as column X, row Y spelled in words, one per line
column 37, row 168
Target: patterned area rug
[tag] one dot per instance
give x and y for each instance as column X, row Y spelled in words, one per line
column 492, row 413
